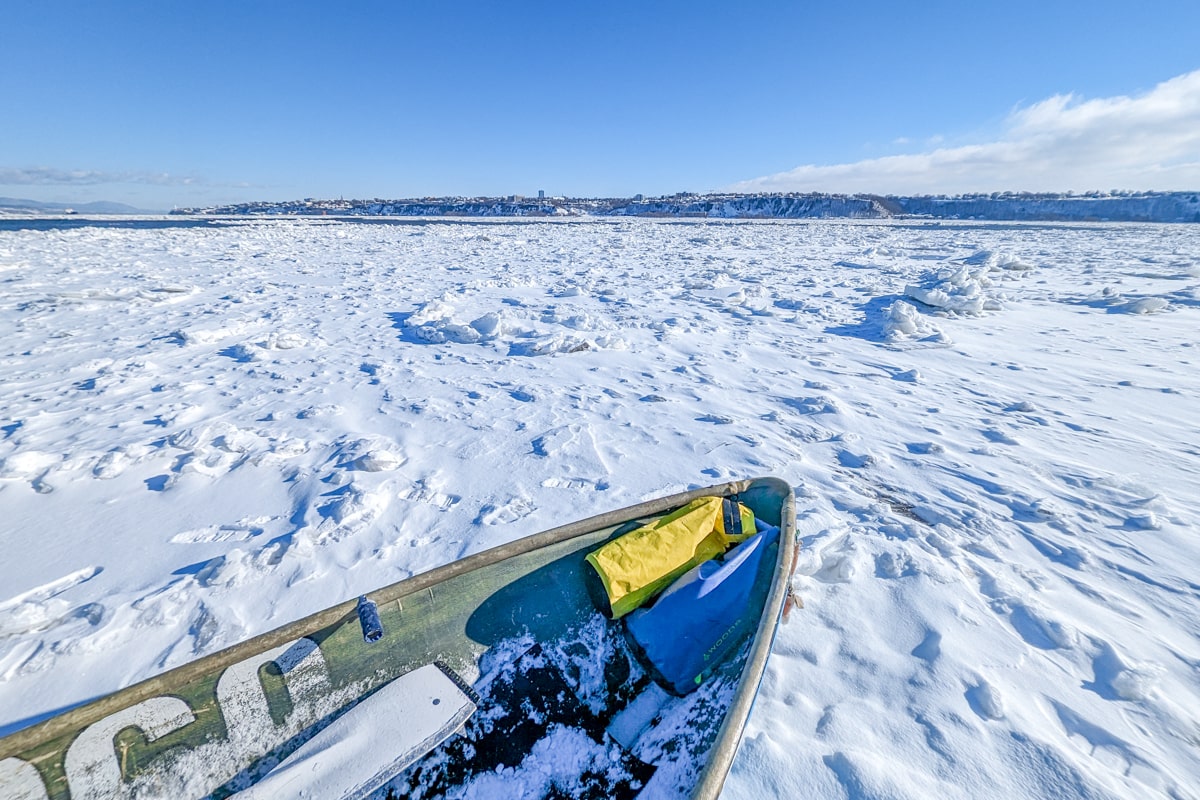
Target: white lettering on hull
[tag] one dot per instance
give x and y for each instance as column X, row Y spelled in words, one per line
column 94, row 769
column 21, row 781
column 92, row 766
column 243, row 699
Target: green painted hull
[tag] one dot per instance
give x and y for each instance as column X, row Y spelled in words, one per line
column 204, row 729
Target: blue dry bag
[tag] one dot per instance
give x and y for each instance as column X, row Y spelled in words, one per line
column 702, row 616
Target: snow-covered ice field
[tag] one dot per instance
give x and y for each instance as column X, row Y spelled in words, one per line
column 993, row 431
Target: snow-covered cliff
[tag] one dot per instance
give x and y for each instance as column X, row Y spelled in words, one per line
column 1147, row 207
column 807, row 206
column 1113, row 207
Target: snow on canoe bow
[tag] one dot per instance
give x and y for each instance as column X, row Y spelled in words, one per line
column 505, row 648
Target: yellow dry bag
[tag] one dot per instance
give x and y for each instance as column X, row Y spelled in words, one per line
column 635, row 567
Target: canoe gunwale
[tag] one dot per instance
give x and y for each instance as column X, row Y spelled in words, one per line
column 729, row 737
column 721, row 756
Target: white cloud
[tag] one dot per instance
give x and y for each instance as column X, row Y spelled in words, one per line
column 1063, row 143
column 50, row 176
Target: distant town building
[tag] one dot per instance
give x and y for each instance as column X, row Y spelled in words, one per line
column 541, row 194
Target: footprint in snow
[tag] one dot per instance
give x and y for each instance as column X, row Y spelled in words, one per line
column 574, row 483
column 556, row 440
column 420, row 493
column 318, row 412
column 1118, row 678
column 1143, row 522
column 350, row 509
column 1035, row 627
column 930, row 648
column 894, row 565
column 511, row 511
column 111, row 464
column 855, row 460
column 237, row 531
column 832, row 565
column 985, row 701
column 41, row 607
column 999, row 437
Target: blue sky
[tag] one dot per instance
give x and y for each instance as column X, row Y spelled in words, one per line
column 157, row 104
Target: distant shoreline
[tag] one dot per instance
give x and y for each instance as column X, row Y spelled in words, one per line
column 997, row 207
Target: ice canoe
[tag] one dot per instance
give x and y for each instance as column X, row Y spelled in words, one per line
column 494, row 676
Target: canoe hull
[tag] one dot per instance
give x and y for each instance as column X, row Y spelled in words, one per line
column 212, row 727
